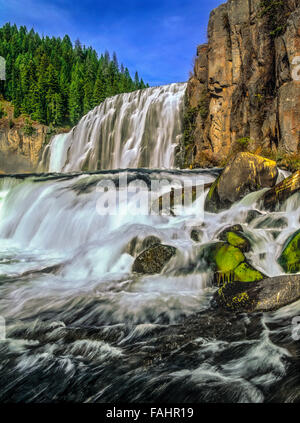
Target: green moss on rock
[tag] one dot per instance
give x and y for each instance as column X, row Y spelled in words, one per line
column 290, row 257
column 246, row 273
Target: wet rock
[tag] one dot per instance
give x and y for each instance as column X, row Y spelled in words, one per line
column 245, row 173
column 265, row 295
column 137, row 245
column 269, row 222
column 281, row 192
column 230, row 264
column 289, row 259
column 252, row 215
column 154, row 259
column 234, row 236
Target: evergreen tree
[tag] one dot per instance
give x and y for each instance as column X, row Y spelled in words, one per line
column 54, row 82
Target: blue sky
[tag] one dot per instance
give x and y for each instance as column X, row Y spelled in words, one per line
column 158, row 38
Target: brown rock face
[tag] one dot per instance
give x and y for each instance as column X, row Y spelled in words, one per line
column 244, row 81
column 20, row 152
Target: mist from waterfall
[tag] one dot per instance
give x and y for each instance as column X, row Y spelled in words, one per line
column 134, row 130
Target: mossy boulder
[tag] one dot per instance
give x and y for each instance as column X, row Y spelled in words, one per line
column 266, row 295
column 289, row 259
column 281, row 192
column 230, row 264
column 244, row 173
column 234, row 236
column 153, row 259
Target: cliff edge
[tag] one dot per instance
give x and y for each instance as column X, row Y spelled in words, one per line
column 244, row 93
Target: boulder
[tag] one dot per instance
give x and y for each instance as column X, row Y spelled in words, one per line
column 289, row 259
column 244, row 173
column 281, row 192
column 154, row 259
column 230, row 264
column 234, row 236
column 266, row 295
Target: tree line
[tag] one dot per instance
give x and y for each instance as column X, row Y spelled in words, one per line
column 56, row 82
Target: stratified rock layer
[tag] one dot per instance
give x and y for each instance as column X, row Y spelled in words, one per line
column 244, row 83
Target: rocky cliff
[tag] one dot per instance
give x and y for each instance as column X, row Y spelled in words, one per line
column 244, row 93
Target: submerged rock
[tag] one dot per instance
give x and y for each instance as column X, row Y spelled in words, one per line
column 266, row 295
column 245, row 173
column 230, row 264
column 289, row 259
column 281, row 192
column 234, row 236
column 252, row 215
column 154, row 259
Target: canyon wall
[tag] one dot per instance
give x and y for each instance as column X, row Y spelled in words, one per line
column 243, row 91
column 20, row 151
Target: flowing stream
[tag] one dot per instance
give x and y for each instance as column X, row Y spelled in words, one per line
column 80, row 326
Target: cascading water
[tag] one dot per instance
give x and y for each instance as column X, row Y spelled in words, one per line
column 78, row 316
column 139, row 129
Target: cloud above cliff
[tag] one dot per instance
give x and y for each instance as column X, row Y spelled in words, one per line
column 158, row 38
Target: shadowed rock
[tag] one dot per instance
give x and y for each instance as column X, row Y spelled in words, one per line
column 265, row 295
column 154, row 259
column 289, row 259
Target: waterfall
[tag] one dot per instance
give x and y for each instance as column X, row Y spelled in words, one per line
column 133, row 130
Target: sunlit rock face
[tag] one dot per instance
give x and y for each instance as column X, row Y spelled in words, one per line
column 139, row 129
column 244, row 82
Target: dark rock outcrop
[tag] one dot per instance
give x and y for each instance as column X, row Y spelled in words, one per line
column 154, row 259
column 265, row 295
column 244, row 173
column 234, row 236
column 281, row 192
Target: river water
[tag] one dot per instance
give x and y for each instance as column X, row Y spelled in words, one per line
column 80, row 326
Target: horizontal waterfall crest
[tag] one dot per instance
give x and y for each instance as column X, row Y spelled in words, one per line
column 133, row 130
